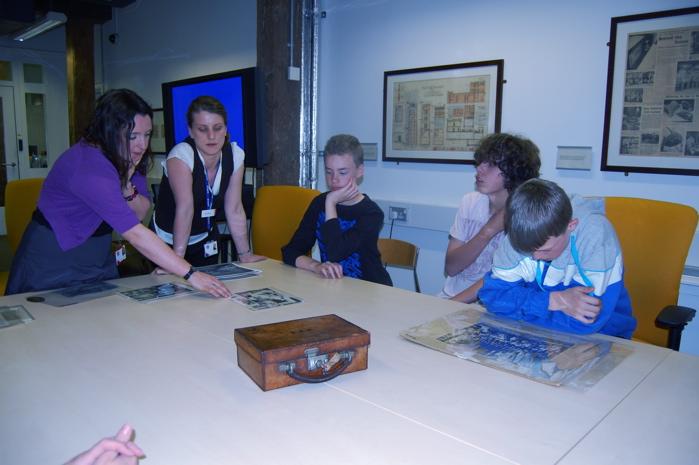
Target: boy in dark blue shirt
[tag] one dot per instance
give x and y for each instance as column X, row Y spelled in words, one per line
column 345, row 222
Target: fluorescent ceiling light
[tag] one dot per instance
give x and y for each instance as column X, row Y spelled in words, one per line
column 51, row 20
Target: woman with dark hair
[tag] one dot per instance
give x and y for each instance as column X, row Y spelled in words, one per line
column 503, row 162
column 96, row 186
column 203, row 174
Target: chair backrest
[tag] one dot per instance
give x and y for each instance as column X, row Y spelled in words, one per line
column 155, row 190
column 21, row 197
column 655, row 238
column 276, row 215
column 401, row 254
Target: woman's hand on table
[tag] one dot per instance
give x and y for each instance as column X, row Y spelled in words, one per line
column 250, row 258
column 203, row 282
column 209, row 284
column 117, row 450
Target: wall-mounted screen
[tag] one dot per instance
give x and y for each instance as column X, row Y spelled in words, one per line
column 235, row 89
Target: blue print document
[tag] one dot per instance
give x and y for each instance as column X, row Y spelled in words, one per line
column 543, row 355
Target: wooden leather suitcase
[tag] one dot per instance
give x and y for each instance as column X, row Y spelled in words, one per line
column 308, row 350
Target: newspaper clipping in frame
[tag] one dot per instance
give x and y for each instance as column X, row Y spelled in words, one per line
column 661, row 92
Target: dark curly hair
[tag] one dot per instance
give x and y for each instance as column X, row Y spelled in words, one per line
column 110, row 126
column 517, row 157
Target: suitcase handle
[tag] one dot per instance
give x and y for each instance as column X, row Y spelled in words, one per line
column 332, row 372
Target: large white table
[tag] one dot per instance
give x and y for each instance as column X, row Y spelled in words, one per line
column 169, row 368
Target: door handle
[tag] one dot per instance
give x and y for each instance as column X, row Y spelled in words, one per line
column 5, row 165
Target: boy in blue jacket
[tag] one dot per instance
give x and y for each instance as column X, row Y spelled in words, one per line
column 560, row 264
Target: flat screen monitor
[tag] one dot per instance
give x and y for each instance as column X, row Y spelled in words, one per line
column 235, row 89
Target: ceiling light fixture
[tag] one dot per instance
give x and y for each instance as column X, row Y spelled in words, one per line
column 51, row 20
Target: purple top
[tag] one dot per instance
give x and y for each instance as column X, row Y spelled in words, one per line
column 82, row 190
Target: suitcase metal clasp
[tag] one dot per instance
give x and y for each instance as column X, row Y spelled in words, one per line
column 315, row 361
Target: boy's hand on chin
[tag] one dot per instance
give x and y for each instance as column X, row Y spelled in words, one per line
column 344, row 194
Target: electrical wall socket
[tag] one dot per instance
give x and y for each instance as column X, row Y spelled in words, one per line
column 398, row 213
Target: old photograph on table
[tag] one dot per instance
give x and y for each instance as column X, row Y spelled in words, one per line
column 267, row 297
column 158, row 292
column 651, row 117
column 228, row 271
column 13, row 315
column 78, row 294
column 542, row 355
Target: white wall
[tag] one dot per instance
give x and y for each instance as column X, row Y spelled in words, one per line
column 555, row 58
column 161, row 40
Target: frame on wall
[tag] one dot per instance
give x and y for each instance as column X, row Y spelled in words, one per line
column 651, row 119
column 157, row 138
column 439, row 114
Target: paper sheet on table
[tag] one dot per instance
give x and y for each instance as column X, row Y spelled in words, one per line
column 13, row 315
column 157, row 292
column 267, row 297
column 227, row 271
column 78, row 294
column 546, row 356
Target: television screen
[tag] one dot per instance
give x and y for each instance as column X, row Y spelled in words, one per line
column 235, row 89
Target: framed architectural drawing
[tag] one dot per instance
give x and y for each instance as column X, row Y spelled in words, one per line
column 651, row 120
column 157, row 138
column 440, row 114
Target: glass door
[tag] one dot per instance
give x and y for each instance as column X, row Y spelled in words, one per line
column 33, row 115
column 9, row 160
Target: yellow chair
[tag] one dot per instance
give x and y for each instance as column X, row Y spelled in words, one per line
column 400, row 254
column 21, row 197
column 276, row 215
column 655, row 239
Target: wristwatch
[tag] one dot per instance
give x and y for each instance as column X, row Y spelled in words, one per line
column 189, row 273
column 129, row 198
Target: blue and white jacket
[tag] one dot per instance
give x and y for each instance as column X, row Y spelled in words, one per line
column 513, row 289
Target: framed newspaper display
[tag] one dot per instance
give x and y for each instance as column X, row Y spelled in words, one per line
column 439, row 114
column 651, row 120
column 157, row 138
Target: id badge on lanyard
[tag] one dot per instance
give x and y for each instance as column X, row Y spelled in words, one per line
column 210, row 211
column 210, row 248
column 120, row 254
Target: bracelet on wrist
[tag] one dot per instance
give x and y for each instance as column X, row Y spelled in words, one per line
column 189, row 273
column 247, row 252
column 129, row 198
